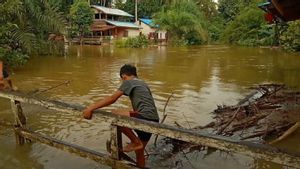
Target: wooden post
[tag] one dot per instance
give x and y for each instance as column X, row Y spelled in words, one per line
column 20, row 120
column 116, row 142
column 116, row 145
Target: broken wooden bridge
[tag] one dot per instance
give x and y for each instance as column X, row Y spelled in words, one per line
column 118, row 159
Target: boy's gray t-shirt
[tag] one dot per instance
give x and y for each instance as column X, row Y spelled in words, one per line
column 141, row 98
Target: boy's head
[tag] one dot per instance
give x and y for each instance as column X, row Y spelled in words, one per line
column 128, row 70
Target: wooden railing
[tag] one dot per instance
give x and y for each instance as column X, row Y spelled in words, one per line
column 258, row 151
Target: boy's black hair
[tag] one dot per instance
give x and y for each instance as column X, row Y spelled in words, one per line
column 128, row 70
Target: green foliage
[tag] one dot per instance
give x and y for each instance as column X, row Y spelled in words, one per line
column 135, row 42
column 62, row 5
column 13, row 58
column 81, row 16
column 208, row 7
column 119, row 4
column 229, row 9
column 23, row 24
column 184, row 22
column 215, row 28
column 106, row 3
column 290, row 38
column 249, row 28
column 146, row 8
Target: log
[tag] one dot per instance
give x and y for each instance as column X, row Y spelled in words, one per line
column 254, row 150
column 286, row 133
column 229, row 122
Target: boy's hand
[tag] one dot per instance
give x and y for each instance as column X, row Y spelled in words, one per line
column 87, row 114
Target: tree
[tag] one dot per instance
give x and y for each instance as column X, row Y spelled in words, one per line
column 146, row 8
column 106, row 3
column 62, row 5
column 290, row 38
column 208, row 7
column 229, row 9
column 184, row 22
column 119, row 4
column 81, row 16
column 24, row 28
column 249, row 28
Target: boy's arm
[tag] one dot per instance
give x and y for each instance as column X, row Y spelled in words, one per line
column 88, row 112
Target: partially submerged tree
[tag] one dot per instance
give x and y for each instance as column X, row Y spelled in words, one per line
column 81, row 16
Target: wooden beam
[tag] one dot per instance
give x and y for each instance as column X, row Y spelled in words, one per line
column 75, row 149
column 258, row 151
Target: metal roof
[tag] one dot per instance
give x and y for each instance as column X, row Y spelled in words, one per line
column 123, row 24
column 111, row 11
column 149, row 22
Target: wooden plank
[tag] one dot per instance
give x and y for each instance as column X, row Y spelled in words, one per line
column 257, row 151
column 75, row 149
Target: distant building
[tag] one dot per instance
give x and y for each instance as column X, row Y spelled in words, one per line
column 113, row 23
column 151, row 30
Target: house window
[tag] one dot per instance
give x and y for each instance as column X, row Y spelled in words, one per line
column 97, row 16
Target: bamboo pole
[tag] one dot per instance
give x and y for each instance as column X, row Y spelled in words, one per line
column 257, row 151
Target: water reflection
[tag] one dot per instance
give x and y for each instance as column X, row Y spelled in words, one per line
column 200, row 78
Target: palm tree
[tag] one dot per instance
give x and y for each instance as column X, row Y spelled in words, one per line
column 25, row 26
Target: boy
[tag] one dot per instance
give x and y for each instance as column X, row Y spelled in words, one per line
column 143, row 108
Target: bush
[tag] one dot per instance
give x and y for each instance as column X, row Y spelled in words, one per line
column 249, row 29
column 290, row 39
column 135, row 42
column 13, row 58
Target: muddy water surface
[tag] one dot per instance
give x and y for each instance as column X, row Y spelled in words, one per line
column 200, row 78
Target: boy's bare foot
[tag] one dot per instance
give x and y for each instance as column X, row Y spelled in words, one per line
column 133, row 147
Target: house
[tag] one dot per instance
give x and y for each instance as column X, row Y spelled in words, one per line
column 114, row 23
column 151, row 30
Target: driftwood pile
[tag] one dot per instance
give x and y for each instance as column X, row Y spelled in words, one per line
column 267, row 115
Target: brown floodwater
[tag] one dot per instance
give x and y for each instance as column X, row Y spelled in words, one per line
column 200, row 78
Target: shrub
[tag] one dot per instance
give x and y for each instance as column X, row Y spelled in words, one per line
column 134, row 42
column 249, row 29
column 290, row 38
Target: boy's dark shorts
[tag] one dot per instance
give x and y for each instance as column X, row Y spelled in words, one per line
column 143, row 136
